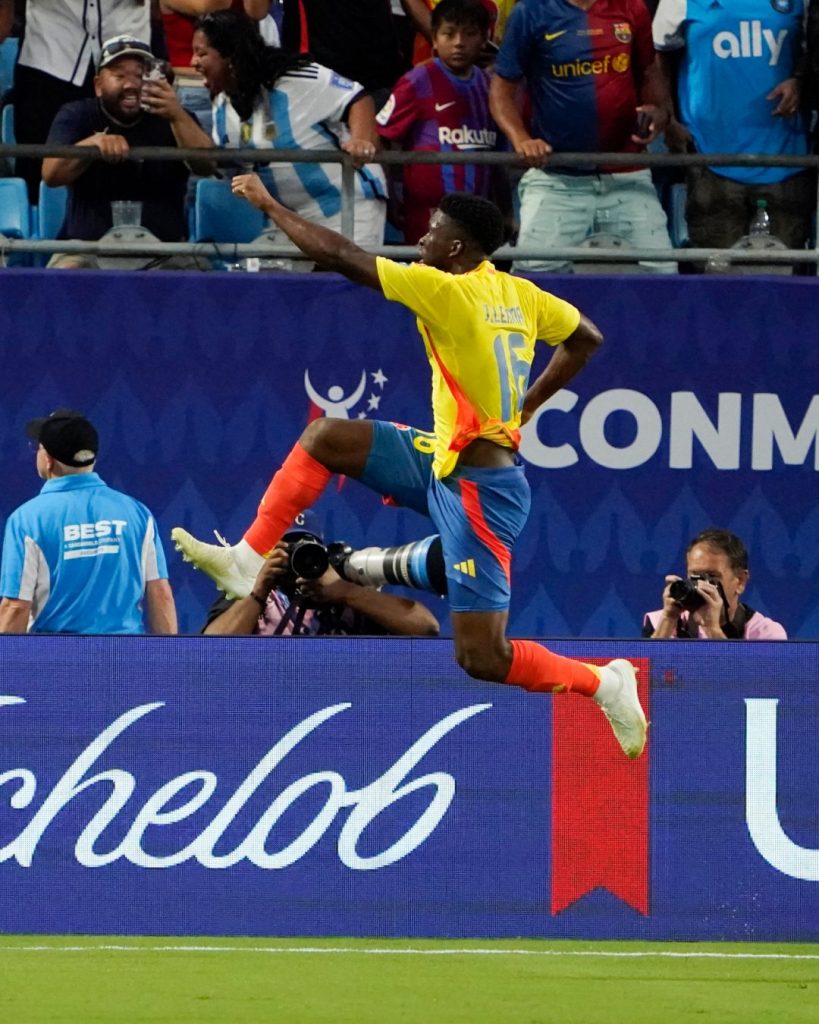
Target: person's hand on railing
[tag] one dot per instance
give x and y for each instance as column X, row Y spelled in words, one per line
column 113, row 148
column 361, row 150
column 534, row 152
column 787, row 93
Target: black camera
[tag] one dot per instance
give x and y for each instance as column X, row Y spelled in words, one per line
column 686, row 592
column 307, row 559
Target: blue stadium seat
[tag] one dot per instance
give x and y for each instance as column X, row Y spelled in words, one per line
column 219, row 216
column 8, row 57
column 677, row 224
column 15, row 213
column 51, row 210
column 7, row 124
column 7, row 135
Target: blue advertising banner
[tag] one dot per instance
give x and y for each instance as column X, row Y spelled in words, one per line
column 194, row 786
column 701, row 409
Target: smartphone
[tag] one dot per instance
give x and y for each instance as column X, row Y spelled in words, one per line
column 155, row 70
column 642, row 127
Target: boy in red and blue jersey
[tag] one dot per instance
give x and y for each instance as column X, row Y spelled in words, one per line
column 443, row 106
column 480, row 327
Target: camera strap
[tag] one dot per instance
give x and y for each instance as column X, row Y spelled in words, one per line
column 295, row 614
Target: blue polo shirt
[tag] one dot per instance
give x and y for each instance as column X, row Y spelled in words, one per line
column 82, row 553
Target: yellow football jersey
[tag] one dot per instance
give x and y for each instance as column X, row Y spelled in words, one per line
column 479, row 330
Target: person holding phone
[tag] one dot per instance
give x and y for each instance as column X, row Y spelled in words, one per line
column 593, row 81
column 125, row 113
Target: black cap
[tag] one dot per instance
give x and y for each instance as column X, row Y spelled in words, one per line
column 67, row 436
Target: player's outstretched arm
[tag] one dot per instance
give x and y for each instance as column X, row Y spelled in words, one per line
column 567, row 361
column 329, row 249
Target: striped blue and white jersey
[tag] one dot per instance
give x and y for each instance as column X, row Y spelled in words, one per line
column 305, row 110
column 81, row 553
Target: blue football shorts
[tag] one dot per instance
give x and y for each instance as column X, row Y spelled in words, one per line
column 479, row 513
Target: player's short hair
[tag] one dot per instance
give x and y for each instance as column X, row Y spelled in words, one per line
column 480, row 219
column 726, row 542
column 461, row 13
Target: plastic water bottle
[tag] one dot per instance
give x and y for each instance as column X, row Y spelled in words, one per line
column 761, row 220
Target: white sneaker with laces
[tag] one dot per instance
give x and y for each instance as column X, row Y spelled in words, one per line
column 618, row 700
column 215, row 560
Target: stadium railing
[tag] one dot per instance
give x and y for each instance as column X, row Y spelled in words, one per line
column 556, row 161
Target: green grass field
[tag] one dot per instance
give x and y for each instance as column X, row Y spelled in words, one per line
column 107, row 980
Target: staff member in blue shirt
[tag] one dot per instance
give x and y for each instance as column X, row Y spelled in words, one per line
column 81, row 557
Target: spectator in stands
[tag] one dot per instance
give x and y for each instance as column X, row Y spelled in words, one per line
column 421, row 12
column 115, row 122
column 594, row 84
column 267, row 97
column 62, row 41
column 81, row 557
column 357, row 38
column 178, row 23
column 280, row 605
column 738, row 91
column 717, row 562
column 443, row 106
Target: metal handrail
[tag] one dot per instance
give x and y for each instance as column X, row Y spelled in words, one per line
column 253, row 156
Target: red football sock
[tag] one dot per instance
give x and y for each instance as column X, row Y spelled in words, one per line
column 295, row 487
column 538, row 669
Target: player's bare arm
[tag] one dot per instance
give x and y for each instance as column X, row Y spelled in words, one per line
column 567, row 361
column 329, row 249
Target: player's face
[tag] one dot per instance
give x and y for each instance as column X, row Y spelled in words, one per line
column 118, row 87
column 209, row 63
column 458, row 46
column 440, row 245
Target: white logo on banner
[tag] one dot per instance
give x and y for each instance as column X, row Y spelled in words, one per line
column 336, row 403
column 684, row 422
column 184, row 795
column 761, row 812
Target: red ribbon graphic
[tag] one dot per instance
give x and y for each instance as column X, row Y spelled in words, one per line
column 599, row 804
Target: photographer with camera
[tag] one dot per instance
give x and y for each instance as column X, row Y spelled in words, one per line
column 706, row 604
column 299, row 592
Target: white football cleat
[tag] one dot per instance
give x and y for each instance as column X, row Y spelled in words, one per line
column 216, row 561
column 619, row 702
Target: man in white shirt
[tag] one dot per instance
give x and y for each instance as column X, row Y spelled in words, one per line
column 58, row 54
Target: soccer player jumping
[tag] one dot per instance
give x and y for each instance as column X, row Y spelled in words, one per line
column 479, row 328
